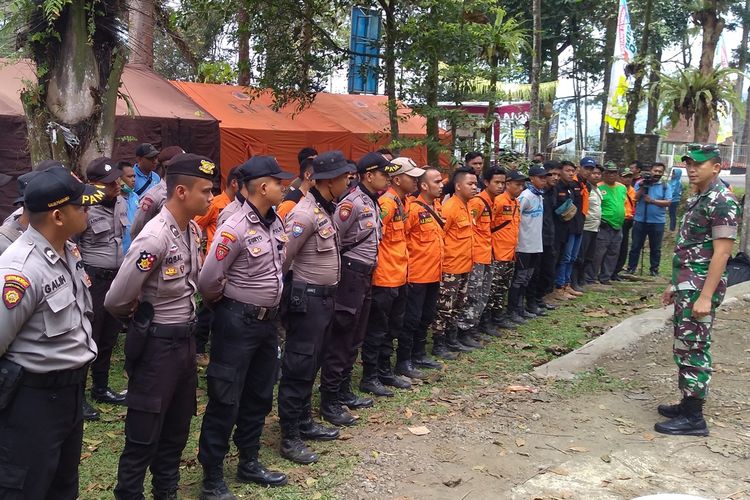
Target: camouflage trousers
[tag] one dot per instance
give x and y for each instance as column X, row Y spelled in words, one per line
column 502, row 276
column 692, row 343
column 480, row 284
column 453, row 289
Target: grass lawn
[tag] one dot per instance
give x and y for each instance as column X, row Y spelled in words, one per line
column 535, row 343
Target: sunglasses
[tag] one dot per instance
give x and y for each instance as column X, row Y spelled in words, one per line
column 706, row 148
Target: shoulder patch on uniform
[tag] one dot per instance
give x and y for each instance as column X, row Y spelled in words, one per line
column 145, row 261
column 222, row 251
column 228, row 235
column 345, row 210
column 14, row 289
column 175, row 231
column 383, row 213
column 297, row 229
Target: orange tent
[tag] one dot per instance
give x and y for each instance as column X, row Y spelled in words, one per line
column 353, row 124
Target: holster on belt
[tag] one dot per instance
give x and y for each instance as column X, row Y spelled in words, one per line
column 298, row 297
column 137, row 334
column 10, row 380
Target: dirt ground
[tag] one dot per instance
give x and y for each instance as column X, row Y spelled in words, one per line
column 593, row 439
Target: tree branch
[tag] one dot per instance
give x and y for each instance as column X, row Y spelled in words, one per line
column 162, row 19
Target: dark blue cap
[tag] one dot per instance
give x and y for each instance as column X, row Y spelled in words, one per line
column 262, row 166
column 330, row 165
column 588, row 162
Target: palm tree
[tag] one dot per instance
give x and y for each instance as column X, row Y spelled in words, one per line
column 697, row 97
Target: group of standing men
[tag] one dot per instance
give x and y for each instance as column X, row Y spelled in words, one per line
column 347, row 267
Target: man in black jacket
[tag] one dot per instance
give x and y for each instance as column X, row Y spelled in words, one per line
column 568, row 228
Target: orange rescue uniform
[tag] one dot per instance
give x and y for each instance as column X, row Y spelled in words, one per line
column 630, row 203
column 207, row 222
column 290, row 201
column 392, row 253
column 457, row 235
column 424, row 241
column 480, row 209
column 505, row 224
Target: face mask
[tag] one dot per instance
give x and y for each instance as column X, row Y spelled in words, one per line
column 126, row 189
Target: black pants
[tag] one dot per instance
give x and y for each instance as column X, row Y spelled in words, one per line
column 526, row 264
column 40, row 443
column 241, row 376
column 352, row 310
column 421, row 307
column 205, row 318
column 385, row 324
column 623, row 257
column 104, row 329
column 305, row 332
column 655, row 234
column 543, row 280
column 161, row 401
column 583, row 268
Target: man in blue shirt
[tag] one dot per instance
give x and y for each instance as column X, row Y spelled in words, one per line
column 127, row 182
column 145, row 177
column 653, row 197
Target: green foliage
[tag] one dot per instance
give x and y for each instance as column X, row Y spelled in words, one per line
column 216, row 72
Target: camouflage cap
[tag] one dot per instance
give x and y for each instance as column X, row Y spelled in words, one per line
column 702, row 152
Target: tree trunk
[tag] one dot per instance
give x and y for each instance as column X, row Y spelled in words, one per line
column 243, row 46
column 701, row 125
column 536, row 65
column 389, row 55
column 712, row 23
column 737, row 127
column 746, row 127
column 635, row 96
column 306, row 47
column 609, row 50
column 141, row 21
column 652, row 121
column 432, row 81
column 489, row 116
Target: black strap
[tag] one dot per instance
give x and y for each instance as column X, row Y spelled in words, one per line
column 143, row 189
column 435, row 216
column 349, row 248
column 502, row 225
column 487, row 205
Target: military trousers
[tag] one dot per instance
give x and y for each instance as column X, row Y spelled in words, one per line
column 161, row 402
column 104, row 327
column 384, row 325
column 478, row 294
column 502, row 277
column 305, row 333
column 421, row 307
column 350, row 317
column 692, row 343
column 241, row 376
column 41, row 432
column 453, row 290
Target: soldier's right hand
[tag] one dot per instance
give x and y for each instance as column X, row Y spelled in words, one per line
column 667, row 297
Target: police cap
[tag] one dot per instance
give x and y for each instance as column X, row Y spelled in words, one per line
column 56, row 187
column 192, row 165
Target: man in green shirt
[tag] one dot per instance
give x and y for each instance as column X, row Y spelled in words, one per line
column 609, row 237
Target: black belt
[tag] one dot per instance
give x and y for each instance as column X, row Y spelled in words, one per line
column 59, row 378
column 320, row 290
column 357, row 266
column 172, row 331
column 98, row 272
column 251, row 310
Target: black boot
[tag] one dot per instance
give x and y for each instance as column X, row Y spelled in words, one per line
column 311, row 430
column 214, row 487
column 517, row 318
column 527, row 314
column 440, row 349
column 332, row 411
column 170, row 494
column 351, row 400
column 466, row 338
column 488, row 327
column 689, row 423
column 549, row 307
column 424, row 361
column 89, row 412
column 670, row 411
column 453, row 344
column 250, row 470
column 293, row 448
column 372, row 385
column 406, row 369
column 107, row 395
column 386, row 377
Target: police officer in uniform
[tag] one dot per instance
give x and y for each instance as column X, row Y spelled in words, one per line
column 157, row 281
column 153, row 199
column 242, row 277
column 102, row 254
column 18, row 221
column 45, row 342
column 313, row 258
column 358, row 224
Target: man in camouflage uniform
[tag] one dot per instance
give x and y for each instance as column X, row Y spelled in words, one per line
column 703, row 246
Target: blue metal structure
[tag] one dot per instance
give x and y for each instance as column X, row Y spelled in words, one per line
column 364, row 43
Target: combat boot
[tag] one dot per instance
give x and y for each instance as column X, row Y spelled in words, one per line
column 454, row 345
column 406, row 369
column 351, row 400
column 332, row 411
column 670, row 411
column 170, row 494
column 572, row 291
column 250, row 470
column 293, row 448
column 466, row 338
column 372, row 385
column 424, row 361
column 311, row 430
column 440, row 350
column 689, row 423
column 517, row 318
column 534, row 309
column 214, row 487
column 386, row 377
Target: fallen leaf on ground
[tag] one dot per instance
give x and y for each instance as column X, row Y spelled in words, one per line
column 452, row 483
column 84, row 456
column 521, row 388
column 310, row 481
column 578, row 449
column 648, row 436
column 478, row 467
column 317, row 496
column 345, row 436
column 408, row 413
column 606, row 458
column 420, row 430
column 520, row 442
